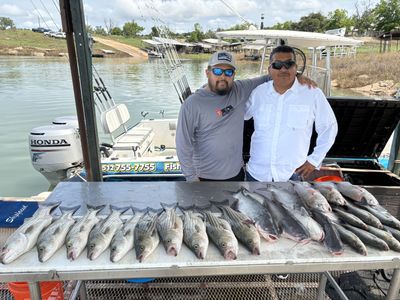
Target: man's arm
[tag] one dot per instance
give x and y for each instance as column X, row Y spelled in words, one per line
column 248, row 85
column 184, row 142
column 326, row 128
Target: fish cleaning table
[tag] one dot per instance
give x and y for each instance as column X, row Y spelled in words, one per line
column 283, row 256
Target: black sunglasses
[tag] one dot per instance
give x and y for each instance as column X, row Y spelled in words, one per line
column 277, row 65
column 219, row 71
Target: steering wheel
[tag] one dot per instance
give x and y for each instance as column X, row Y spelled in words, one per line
column 300, row 60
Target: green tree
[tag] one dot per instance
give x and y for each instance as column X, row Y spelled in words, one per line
column 288, row 25
column 242, row 26
column 364, row 18
column 314, row 22
column 131, row 29
column 89, row 29
column 154, row 31
column 387, row 15
column 116, row 31
column 6, row 23
column 210, row 34
column 100, row 30
column 338, row 19
column 196, row 35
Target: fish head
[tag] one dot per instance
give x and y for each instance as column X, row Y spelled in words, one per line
column 74, row 248
column 228, row 249
column 143, row 248
column 95, row 248
column 45, row 251
column 254, row 244
column 172, row 244
column 116, row 253
column 13, row 249
column 200, row 246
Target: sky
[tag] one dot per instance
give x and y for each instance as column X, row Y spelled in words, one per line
column 178, row 15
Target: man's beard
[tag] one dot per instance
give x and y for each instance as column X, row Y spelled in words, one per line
column 223, row 91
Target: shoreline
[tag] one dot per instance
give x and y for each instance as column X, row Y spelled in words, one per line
column 381, row 88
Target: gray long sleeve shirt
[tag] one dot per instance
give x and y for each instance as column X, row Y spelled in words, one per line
column 209, row 142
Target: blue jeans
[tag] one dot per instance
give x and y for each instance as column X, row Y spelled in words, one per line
column 294, row 177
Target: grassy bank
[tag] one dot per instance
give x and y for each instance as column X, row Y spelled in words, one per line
column 26, row 42
column 365, row 69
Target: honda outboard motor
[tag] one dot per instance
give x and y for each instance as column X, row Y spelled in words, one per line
column 56, row 149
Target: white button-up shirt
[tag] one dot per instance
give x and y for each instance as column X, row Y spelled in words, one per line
column 283, row 125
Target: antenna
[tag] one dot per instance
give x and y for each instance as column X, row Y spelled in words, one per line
column 262, row 21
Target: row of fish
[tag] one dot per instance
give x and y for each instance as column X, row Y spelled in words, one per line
column 328, row 212
column 323, row 212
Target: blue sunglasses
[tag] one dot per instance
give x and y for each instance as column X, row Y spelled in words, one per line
column 219, row 71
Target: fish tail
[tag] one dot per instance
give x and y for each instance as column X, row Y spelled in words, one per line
column 120, row 209
column 73, row 209
column 96, row 208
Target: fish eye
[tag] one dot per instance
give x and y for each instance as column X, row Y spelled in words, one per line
column 91, row 246
column 113, row 248
column 141, row 248
column 169, row 241
column 196, row 246
column 223, row 245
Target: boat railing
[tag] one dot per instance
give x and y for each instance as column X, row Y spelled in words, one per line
column 320, row 76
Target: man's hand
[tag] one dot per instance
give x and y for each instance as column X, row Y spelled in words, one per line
column 303, row 80
column 305, row 169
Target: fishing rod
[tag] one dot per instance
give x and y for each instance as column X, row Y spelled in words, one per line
column 99, row 88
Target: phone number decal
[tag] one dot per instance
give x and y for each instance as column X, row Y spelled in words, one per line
column 142, row 168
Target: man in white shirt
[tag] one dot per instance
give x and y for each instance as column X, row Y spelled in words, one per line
column 284, row 113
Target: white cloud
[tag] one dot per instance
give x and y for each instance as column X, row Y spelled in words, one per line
column 179, row 15
column 11, row 10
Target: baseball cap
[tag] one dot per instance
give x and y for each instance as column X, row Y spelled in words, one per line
column 222, row 57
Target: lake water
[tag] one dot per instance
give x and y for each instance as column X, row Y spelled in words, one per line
column 36, row 90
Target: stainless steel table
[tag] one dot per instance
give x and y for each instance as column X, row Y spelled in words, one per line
column 284, row 256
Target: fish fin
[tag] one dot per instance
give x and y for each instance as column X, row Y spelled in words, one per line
column 235, row 205
column 106, row 230
column 52, row 206
column 82, row 228
column 29, row 229
column 128, row 232
column 57, row 231
column 304, row 212
column 197, row 228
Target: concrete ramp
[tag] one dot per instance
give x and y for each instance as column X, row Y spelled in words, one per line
column 130, row 50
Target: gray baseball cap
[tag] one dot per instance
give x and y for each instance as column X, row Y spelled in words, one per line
column 222, row 58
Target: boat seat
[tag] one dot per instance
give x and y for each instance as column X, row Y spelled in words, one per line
column 114, row 118
column 138, row 140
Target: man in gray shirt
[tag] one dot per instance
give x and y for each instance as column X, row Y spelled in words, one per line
column 209, row 136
